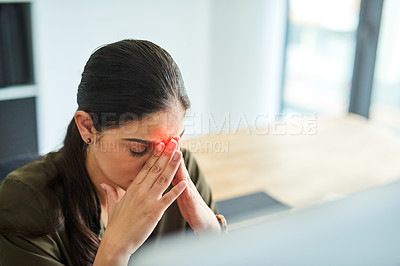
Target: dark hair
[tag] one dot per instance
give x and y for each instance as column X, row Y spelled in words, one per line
column 129, row 76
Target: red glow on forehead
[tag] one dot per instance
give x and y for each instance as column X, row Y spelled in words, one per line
column 166, row 140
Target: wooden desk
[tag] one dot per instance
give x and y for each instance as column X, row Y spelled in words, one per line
column 342, row 156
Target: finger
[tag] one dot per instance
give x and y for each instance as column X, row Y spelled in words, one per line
column 180, row 174
column 173, row 194
column 176, row 180
column 149, row 163
column 184, row 175
column 178, row 140
column 159, row 166
column 165, row 178
column 112, row 198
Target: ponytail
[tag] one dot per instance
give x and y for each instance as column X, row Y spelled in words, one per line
column 81, row 206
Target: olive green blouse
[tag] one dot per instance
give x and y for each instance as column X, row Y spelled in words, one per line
column 24, row 203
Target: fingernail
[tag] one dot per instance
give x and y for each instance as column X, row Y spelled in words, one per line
column 176, row 156
column 159, row 146
column 182, row 184
column 171, row 144
column 178, row 140
column 103, row 187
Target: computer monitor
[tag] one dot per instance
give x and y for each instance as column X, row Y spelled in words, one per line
column 362, row 229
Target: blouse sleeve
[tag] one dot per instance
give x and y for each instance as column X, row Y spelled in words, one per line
column 21, row 209
column 198, row 179
column 16, row 250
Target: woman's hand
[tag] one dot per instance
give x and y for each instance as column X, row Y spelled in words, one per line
column 133, row 218
column 192, row 206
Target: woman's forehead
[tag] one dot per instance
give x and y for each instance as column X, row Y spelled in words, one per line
column 159, row 126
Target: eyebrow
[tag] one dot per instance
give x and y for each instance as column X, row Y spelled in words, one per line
column 148, row 142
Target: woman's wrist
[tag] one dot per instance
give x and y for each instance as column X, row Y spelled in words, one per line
column 212, row 226
column 110, row 254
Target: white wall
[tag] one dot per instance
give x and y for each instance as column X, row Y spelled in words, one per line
column 66, row 32
column 247, row 47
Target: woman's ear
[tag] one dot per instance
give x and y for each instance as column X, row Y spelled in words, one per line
column 85, row 126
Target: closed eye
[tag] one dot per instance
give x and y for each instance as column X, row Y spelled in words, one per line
column 138, row 154
column 138, row 149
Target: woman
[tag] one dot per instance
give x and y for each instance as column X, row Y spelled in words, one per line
column 121, row 168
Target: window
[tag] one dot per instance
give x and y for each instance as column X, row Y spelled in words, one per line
column 385, row 103
column 320, row 56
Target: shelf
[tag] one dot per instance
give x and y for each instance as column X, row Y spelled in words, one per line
column 15, row 2
column 17, row 92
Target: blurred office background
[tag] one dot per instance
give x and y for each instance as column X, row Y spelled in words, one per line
column 320, row 58
column 238, row 58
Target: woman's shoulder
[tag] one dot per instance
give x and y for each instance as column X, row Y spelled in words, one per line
column 36, row 172
column 25, row 196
